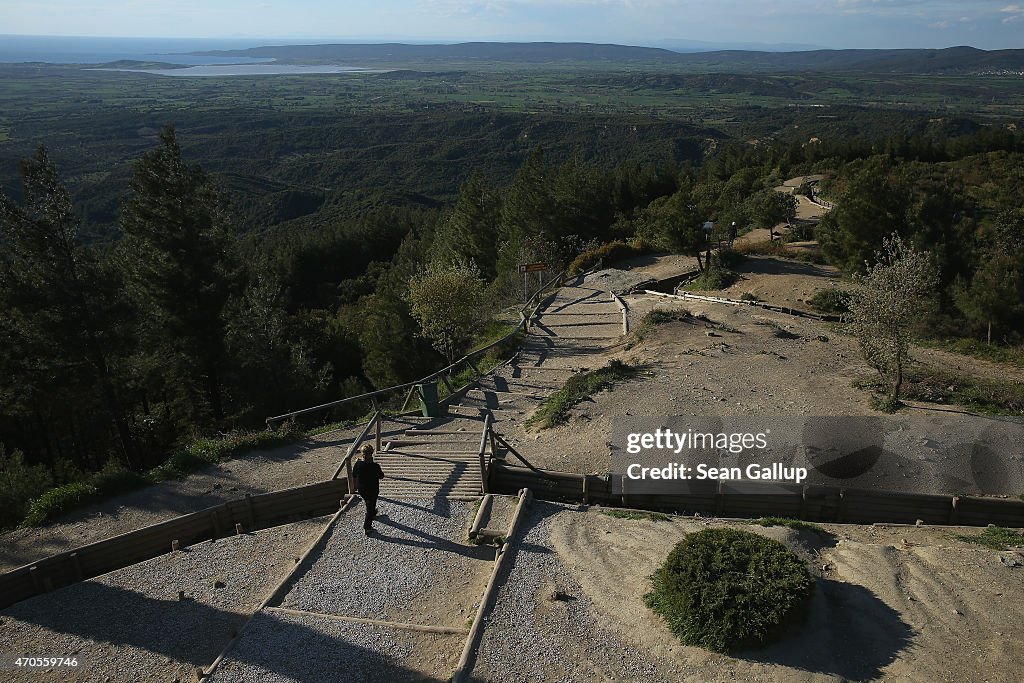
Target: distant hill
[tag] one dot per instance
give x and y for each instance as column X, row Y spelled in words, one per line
column 954, row 60
column 912, row 61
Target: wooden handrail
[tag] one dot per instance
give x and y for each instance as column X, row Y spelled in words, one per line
column 485, row 437
column 347, row 462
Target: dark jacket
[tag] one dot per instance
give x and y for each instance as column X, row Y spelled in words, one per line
column 367, row 476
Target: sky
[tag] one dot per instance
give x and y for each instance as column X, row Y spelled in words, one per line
column 988, row 24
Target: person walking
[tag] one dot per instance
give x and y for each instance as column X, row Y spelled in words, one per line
column 368, row 474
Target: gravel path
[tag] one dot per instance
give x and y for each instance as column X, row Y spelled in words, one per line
column 287, row 648
column 529, row 637
column 129, row 625
column 417, row 567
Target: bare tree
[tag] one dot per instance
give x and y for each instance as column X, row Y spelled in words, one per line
column 895, row 294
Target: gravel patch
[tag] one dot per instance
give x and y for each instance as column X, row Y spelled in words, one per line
column 129, row 625
column 529, row 637
column 416, row 568
column 287, row 648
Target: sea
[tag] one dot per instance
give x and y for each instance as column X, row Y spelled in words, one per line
column 80, row 50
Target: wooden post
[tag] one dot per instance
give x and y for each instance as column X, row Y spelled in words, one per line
column 175, row 545
column 379, row 420
column 238, row 529
column 215, row 523
column 586, row 490
column 77, row 562
column 408, row 397
column 953, row 510
column 250, row 511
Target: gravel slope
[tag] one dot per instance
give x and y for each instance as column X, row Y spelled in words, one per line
column 416, row 568
column 289, row 649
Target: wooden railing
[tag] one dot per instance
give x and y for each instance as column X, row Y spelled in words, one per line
column 486, row 441
column 346, row 464
column 808, row 502
column 233, row 517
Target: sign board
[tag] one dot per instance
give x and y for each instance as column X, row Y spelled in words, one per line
column 532, row 267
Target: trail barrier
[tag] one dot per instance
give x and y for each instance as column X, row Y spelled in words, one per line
column 743, row 302
column 94, row 559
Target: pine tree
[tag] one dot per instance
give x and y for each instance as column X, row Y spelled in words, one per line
column 176, row 250
column 64, row 321
column 470, row 231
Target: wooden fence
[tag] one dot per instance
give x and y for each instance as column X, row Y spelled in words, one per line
column 756, row 304
column 94, row 559
column 812, row 503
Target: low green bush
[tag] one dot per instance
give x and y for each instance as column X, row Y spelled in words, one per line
column 996, row 538
column 19, row 484
column 724, row 589
column 555, row 409
column 637, row 515
column 712, row 279
column 60, row 500
column 830, row 300
column 796, row 524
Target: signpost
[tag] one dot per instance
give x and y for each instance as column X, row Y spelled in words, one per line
column 526, row 269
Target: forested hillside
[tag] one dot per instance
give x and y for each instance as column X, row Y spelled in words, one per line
column 164, row 285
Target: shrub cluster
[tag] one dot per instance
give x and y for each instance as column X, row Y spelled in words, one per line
column 712, row 279
column 555, row 409
column 830, row 300
column 724, row 589
column 608, row 253
column 114, row 479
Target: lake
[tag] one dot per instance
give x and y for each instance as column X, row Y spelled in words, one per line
column 254, row 70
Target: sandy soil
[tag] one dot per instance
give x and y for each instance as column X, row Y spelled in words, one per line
column 906, row 604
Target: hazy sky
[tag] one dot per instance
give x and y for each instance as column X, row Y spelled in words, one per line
column 829, row 23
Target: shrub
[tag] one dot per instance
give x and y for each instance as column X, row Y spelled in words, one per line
column 663, row 316
column 830, row 300
column 724, row 589
column 608, row 253
column 555, row 409
column 713, row 278
column 19, row 484
column 996, row 538
column 796, row 524
column 59, row 500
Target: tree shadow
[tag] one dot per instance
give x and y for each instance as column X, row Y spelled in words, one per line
column 849, row 632
column 194, row 633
